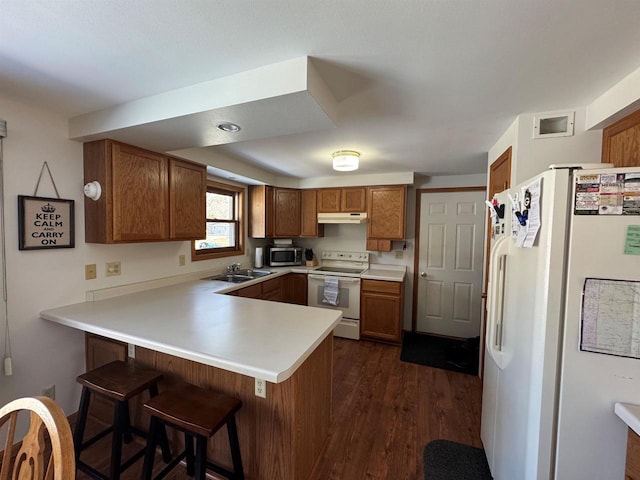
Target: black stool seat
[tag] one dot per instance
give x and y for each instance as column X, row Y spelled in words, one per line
column 119, row 382
column 198, row 413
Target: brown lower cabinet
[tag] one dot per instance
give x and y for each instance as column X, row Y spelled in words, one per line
column 268, row 290
column 294, row 288
column 290, row 288
column 381, row 307
column 632, row 471
column 272, row 290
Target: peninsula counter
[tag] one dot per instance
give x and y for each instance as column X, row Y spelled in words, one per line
column 225, row 343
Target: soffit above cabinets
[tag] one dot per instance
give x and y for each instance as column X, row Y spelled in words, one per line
column 279, row 99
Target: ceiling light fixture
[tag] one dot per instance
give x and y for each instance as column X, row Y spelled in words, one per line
column 228, row 127
column 345, row 160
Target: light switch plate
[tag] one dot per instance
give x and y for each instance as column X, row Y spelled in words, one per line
column 112, row 269
column 90, row 271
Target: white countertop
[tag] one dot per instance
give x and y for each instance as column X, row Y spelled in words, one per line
column 389, row 273
column 376, row 271
column 261, row 339
column 630, row 414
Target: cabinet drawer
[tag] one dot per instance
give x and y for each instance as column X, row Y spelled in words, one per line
column 381, row 286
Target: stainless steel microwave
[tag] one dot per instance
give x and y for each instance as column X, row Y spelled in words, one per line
column 282, row 256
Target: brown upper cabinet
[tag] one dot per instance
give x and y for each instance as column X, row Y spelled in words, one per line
column 274, row 212
column 146, row 196
column 309, row 226
column 621, row 142
column 187, row 200
column 334, row 200
column 386, row 212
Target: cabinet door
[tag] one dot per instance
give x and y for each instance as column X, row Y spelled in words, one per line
column 272, row 290
column 386, row 212
column 294, row 288
column 187, row 200
column 621, row 142
column 140, row 194
column 374, row 245
column 309, row 221
column 353, row 199
column 381, row 317
column 381, row 310
column 287, row 212
column 329, row 200
column 260, row 211
column 632, row 471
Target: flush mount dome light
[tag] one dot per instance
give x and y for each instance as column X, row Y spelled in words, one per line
column 228, row 127
column 345, row 160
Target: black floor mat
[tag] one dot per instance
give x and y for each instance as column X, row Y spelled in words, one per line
column 439, row 352
column 446, row 460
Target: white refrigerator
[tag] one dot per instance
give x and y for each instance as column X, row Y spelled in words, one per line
column 549, row 388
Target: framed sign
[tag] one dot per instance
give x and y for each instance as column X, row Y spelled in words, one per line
column 45, row 223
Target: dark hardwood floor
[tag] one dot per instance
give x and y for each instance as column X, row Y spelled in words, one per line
column 384, row 413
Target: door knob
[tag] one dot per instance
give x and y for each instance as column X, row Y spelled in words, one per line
column 423, row 274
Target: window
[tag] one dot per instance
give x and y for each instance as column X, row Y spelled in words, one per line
column 225, row 233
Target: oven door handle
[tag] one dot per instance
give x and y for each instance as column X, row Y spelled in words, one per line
column 341, row 279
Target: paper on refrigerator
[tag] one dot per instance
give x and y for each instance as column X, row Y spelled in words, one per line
column 530, row 211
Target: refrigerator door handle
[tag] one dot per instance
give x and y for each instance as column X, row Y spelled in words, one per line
column 502, row 275
column 495, row 305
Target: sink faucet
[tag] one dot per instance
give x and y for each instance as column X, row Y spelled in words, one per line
column 234, row 267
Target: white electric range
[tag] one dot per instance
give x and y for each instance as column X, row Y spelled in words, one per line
column 342, row 270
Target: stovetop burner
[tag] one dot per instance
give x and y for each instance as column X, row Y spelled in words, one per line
column 350, row 264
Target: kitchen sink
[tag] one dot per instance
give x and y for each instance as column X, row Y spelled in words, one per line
column 240, row 276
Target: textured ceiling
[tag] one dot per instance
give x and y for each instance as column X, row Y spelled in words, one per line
column 419, row 85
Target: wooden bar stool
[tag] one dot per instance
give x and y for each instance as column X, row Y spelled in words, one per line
column 197, row 413
column 118, row 382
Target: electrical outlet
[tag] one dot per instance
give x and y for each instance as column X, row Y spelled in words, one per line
column 90, row 271
column 181, row 260
column 112, row 269
column 399, row 254
column 131, row 350
column 49, row 392
column 261, row 388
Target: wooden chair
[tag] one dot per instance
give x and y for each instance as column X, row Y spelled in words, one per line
column 45, row 416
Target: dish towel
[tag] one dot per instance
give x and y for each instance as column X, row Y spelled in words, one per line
column 331, row 291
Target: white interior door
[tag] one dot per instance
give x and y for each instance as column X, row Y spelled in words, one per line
column 450, row 263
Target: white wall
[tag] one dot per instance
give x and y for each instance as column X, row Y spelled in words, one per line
column 535, row 155
column 619, row 101
column 45, row 353
column 508, row 139
column 531, row 156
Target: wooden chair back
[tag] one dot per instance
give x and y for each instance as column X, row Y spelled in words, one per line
column 46, row 451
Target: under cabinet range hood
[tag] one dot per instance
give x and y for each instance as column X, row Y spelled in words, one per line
column 342, row 217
